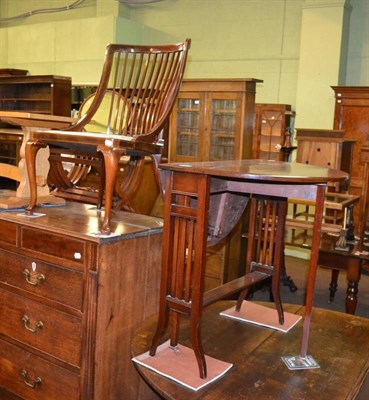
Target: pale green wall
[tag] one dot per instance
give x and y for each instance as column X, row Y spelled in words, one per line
column 230, row 38
column 72, row 47
column 236, row 38
column 322, row 47
column 358, row 65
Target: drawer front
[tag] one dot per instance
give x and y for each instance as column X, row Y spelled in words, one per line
column 62, row 285
column 42, row 327
column 33, row 378
column 8, row 232
column 62, row 247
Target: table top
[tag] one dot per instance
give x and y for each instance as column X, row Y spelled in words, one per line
column 36, row 120
column 338, row 342
column 261, row 170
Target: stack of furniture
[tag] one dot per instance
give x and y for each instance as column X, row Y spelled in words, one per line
column 213, row 120
column 125, row 118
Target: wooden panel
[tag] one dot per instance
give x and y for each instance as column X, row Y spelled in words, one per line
column 319, row 153
column 8, row 232
column 128, row 294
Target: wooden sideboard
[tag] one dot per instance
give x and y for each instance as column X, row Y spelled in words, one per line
column 70, row 303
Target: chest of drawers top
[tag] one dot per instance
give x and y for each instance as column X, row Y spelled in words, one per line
column 65, row 232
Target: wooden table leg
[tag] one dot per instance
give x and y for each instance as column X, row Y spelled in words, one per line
column 353, row 278
column 319, row 209
column 183, row 260
column 333, row 285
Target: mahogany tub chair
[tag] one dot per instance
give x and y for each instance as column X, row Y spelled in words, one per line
column 137, row 91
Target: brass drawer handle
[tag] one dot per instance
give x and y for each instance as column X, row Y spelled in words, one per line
column 33, row 278
column 32, row 384
column 38, row 324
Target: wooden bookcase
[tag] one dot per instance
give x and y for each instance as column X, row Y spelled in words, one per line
column 213, row 120
column 271, row 123
column 42, row 94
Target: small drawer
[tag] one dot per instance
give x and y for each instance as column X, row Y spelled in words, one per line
column 32, row 378
column 8, row 232
column 42, row 327
column 62, row 247
column 59, row 284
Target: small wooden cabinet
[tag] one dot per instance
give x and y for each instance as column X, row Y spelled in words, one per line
column 213, row 120
column 271, row 123
column 71, row 301
column 325, row 148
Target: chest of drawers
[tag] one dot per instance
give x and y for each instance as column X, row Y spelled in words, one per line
column 70, row 303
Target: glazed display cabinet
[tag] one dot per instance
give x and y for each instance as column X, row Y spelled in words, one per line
column 213, row 120
column 272, row 129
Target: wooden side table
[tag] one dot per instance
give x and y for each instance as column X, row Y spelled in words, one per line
column 190, row 191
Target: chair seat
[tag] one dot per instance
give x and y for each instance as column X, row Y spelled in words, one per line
column 89, row 140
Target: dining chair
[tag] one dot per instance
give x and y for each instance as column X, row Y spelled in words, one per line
column 125, row 117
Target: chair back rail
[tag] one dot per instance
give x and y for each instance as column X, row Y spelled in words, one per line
column 140, row 84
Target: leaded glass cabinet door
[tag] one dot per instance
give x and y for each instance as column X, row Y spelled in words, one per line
column 271, row 123
column 223, row 139
column 187, row 127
